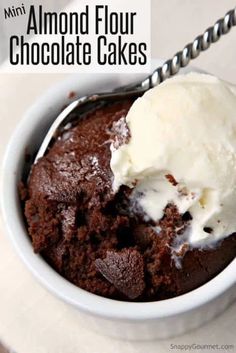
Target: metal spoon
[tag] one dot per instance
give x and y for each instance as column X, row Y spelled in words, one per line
column 169, row 68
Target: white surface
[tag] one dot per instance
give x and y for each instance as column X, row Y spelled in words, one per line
column 31, row 319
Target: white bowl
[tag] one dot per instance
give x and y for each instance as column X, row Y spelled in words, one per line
column 126, row 320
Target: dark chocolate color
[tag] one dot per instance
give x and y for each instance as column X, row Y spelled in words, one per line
column 125, row 269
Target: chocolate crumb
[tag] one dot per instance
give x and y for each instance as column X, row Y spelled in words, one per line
column 171, row 179
column 208, row 230
column 23, row 191
column 187, row 217
column 71, row 95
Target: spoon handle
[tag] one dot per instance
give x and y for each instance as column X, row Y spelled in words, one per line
column 192, row 50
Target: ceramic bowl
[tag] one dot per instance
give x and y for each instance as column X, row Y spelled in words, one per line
column 137, row 321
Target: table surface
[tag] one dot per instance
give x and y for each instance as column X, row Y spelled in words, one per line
column 31, row 319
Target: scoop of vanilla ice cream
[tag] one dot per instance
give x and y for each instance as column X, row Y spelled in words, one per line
column 182, row 150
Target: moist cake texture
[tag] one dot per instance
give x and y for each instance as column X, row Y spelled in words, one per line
column 98, row 239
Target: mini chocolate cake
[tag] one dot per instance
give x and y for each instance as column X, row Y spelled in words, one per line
column 93, row 237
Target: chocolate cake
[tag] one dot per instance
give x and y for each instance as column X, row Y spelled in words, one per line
column 94, row 237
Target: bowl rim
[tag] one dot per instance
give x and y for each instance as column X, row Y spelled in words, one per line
column 56, row 284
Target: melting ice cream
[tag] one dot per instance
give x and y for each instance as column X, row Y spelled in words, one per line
column 182, row 150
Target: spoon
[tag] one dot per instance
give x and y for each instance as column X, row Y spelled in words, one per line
column 169, row 68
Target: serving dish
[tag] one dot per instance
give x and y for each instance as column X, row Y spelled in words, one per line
column 137, row 321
